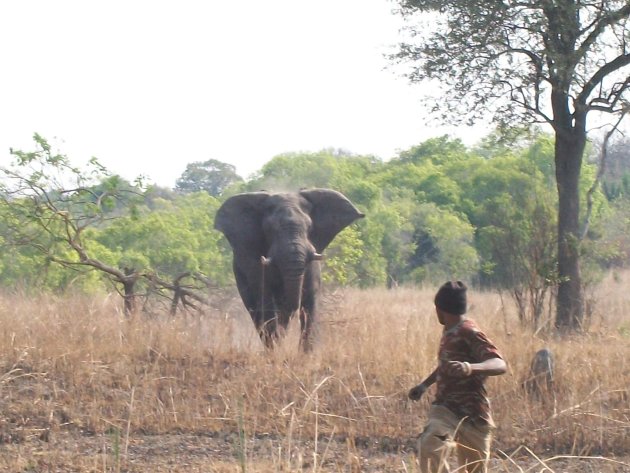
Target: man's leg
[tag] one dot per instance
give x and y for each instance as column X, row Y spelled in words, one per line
column 473, row 446
column 436, row 441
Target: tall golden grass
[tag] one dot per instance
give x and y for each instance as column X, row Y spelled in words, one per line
column 76, row 366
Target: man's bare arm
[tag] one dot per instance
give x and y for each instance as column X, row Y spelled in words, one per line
column 416, row 392
column 490, row 367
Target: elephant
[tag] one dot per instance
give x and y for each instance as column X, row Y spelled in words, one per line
column 277, row 241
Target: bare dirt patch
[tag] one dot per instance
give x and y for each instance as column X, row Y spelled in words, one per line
column 219, row 452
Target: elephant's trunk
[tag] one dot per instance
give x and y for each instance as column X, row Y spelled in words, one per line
column 292, row 262
column 292, row 293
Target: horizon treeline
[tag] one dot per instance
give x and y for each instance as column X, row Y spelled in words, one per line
column 439, row 210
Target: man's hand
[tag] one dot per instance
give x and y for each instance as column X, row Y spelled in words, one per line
column 416, row 392
column 459, row 369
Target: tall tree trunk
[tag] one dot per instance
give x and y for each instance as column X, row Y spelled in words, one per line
column 569, row 149
column 129, row 294
column 569, row 122
column 129, row 298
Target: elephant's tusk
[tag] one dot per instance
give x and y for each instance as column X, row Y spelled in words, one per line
column 265, row 261
column 317, row 257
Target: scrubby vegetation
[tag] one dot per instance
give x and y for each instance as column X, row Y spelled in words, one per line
column 86, row 389
column 438, row 210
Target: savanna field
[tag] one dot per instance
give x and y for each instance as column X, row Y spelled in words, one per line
column 85, row 389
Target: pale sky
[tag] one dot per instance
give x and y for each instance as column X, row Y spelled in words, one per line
column 147, row 86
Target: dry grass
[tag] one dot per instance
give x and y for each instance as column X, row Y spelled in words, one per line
column 84, row 389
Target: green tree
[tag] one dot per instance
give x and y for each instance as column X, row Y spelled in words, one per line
column 514, row 213
column 440, row 150
column 428, row 181
column 527, row 62
column 329, row 168
column 616, row 171
column 397, row 237
column 614, row 252
column 343, row 258
column 174, row 243
column 211, row 176
column 444, row 245
column 421, row 181
column 48, row 207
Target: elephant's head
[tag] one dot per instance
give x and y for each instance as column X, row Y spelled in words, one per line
column 285, row 232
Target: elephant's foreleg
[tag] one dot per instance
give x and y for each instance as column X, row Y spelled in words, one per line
column 269, row 327
column 268, row 334
column 259, row 304
column 306, row 328
column 308, row 318
column 308, row 310
column 249, row 295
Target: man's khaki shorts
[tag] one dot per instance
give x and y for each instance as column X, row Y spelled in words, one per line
column 444, row 432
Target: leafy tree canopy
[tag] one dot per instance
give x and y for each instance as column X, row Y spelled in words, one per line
column 526, row 62
column 483, row 214
column 211, row 176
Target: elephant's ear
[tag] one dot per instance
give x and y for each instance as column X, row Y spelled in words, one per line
column 331, row 213
column 240, row 220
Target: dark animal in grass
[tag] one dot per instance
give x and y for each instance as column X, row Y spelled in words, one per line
column 540, row 383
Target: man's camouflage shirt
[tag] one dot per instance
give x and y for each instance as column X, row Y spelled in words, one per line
column 466, row 397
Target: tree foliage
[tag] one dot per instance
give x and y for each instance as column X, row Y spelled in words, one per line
column 211, row 176
column 507, row 59
column 68, row 223
column 550, row 62
column 484, row 214
column 49, row 205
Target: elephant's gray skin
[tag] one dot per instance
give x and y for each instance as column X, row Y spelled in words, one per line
column 277, row 240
